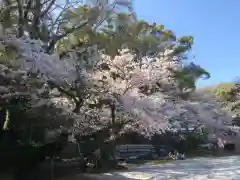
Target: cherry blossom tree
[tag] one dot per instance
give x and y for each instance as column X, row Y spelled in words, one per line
column 150, row 94
column 147, row 94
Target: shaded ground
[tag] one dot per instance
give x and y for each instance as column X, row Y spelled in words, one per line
column 44, row 172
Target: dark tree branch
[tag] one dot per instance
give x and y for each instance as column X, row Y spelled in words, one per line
column 78, row 100
column 20, row 19
column 62, row 90
column 27, row 9
column 47, row 9
column 55, row 39
column 36, row 20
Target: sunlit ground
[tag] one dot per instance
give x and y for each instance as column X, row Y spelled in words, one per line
column 224, row 168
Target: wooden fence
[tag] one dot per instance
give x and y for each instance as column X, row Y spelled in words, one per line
column 135, row 147
column 129, row 150
column 126, row 150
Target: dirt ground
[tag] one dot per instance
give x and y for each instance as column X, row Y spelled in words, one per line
column 68, row 177
column 76, row 177
column 63, row 171
column 93, row 177
column 79, row 177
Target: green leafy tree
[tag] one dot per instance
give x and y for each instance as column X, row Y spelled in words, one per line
column 44, row 19
column 223, row 91
column 187, row 76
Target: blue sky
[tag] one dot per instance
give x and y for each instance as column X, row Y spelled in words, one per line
column 214, row 24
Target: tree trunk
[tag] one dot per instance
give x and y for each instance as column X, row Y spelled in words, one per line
column 52, row 169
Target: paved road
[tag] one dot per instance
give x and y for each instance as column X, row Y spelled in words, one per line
column 224, row 168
